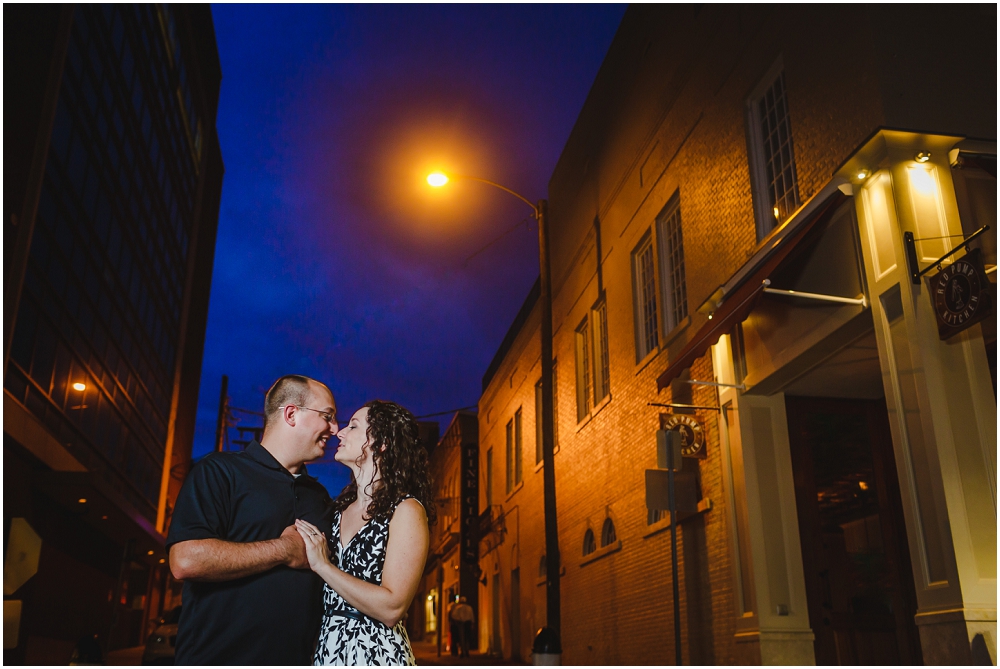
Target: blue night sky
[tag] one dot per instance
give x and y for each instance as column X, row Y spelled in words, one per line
column 334, row 259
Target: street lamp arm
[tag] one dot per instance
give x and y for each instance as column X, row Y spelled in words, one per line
column 528, row 202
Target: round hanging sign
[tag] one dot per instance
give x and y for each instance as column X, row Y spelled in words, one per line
column 961, row 296
column 692, row 433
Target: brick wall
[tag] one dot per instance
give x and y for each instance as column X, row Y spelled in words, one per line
column 666, row 115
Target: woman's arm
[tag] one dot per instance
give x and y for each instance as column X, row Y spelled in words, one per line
column 405, row 555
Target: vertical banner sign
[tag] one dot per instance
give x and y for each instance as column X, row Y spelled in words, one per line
column 468, row 575
column 469, row 528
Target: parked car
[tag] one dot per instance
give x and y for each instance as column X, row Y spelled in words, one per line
column 160, row 644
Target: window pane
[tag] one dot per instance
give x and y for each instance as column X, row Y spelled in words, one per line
column 778, row 182
column 602, row 384
column 510, row 456
column 518, row 450
column 489, row 478
column 583, row 377
column 645, row 297
column 674, row 286
column 538, row 422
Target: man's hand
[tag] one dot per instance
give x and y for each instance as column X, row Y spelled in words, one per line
column 295, row 547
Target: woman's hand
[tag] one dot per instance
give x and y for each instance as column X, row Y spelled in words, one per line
column 317, row 548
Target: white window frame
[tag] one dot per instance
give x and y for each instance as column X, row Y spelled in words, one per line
column 768, row 211
column 644, row 292
column 673, row 277
column 584, row 376
column 600, row 355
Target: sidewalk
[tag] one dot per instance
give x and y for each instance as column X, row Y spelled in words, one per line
column 126, row 657
column 426, row 654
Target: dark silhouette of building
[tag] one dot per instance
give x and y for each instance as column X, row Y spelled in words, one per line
column 452, row 567
column 112, row 181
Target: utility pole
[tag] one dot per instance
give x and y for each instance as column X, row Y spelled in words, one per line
column 220, row 426
column 552, row 599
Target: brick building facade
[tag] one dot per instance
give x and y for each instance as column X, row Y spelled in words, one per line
column 719, row 148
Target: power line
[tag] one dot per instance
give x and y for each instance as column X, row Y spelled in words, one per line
column 442, row 413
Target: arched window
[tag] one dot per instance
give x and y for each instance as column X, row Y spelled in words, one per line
column 589, row 545
column 542, row 568
column 608, row 535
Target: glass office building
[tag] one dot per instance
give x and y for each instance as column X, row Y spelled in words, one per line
column 109, row 240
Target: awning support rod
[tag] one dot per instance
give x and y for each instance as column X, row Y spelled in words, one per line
column 741, row 386
column 681, row 406
column 863, row 301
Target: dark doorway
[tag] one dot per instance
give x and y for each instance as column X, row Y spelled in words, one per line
column 515, row 614
column 859, row 583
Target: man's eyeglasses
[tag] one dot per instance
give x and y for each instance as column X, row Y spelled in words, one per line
column 328, row 416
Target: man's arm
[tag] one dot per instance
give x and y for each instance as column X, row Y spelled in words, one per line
column 218, row 560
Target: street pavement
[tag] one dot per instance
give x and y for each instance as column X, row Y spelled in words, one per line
column 426, row 654
column 126, row 657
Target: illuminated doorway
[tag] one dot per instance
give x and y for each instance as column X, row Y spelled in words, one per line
column 430, row 612
column 859, row 582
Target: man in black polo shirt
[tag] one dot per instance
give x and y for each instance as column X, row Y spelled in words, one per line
column 249, row 595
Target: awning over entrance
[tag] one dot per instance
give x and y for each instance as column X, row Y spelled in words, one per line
column 740, row 293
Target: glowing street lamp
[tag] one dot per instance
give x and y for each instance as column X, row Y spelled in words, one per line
column 438, row 179
column 79, row 387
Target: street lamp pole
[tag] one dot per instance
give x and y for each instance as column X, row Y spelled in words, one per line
column 552, row 599
column 552, row 562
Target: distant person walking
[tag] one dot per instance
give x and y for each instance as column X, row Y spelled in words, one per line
column 249, row 596
column 461, row 617
column 454, row 628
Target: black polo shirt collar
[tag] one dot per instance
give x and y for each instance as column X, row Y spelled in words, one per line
column 256, row 451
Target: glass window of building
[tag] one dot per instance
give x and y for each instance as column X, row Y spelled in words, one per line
column 672, row 277
column 583, row 375
column 644, row 292
column 589, row 545
column 602, row 381
column 101, row 304
column 608, row 535
column 772, row 159
column 489, row 478
column 518, row 448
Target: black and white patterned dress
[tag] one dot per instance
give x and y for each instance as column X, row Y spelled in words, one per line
column 348, row 637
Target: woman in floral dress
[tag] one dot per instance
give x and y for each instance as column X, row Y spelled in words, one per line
column 373, row 560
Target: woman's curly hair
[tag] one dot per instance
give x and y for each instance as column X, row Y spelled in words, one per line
column 400, row 468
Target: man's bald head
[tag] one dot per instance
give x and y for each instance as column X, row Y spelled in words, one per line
column 291, row 389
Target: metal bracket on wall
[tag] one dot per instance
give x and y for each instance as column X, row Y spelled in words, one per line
column 741, row 386
column 913, row 264
column 681, row 406
column 862, row 301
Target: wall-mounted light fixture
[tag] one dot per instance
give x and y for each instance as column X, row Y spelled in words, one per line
column 79, row 387
column 863, row 174
column 82, row 500
column 922, row 157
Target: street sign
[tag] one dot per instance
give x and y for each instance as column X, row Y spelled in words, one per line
column 23, row 548
column 669, row 449
column 658, row 491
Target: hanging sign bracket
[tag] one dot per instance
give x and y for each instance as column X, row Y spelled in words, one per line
column 913, row 264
